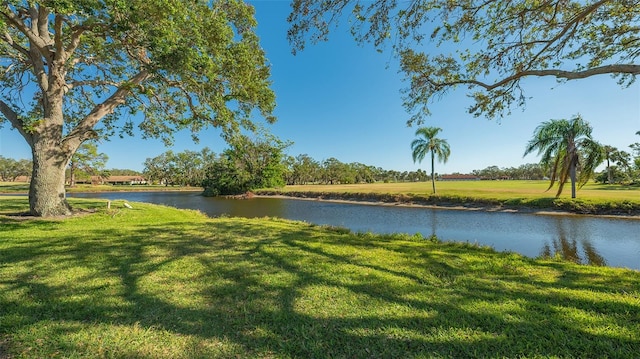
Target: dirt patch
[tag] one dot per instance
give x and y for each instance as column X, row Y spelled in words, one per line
column 4, row 346
column 247, row 195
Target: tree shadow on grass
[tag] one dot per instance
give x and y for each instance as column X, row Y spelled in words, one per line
column 13, row 205
column 614, row 187
column 14, row 188
column 9, row 223
column 244, row 288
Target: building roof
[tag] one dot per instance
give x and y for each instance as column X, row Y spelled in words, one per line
column 459, row 177
column 119, row 178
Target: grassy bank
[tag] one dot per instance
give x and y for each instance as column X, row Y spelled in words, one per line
column 592, row 198
column 157, row 282
column 22, row 187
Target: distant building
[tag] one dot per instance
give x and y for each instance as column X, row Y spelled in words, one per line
column 119, row 180
column 25, row 179
column 459, row 177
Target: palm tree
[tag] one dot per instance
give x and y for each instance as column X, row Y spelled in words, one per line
column 567, row 147
column 609, row 152
column 428, row 142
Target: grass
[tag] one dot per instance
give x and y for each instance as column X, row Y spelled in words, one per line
column 21, row 187
column 14, row 187
column 482, row 189
column 157, row 282
column 592, row 198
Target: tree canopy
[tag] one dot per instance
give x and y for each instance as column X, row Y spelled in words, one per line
column 11, row 169
column 485, row 46
column 248, row 164
column 183, row 168
column 88, row 160
column 73, row 70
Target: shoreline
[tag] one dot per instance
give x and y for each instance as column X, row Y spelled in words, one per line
column 450, row 206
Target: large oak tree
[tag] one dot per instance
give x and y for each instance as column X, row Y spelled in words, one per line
column 485, row 46
column 72, row 70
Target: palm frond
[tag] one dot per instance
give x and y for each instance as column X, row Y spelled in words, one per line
column 561, row 144
column 441, row 149
column 428, row 142
column 593, row 156
column 554, row 172
column 419, row 149
column 565, row 172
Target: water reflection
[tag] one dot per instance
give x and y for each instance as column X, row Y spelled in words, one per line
column 572, row 244
column 434, row 222
column 593, row 257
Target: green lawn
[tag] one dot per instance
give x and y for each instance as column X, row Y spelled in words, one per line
column 157, row 282
column 14, row 187
column 483, row 189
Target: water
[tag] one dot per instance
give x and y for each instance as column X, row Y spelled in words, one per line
column 583, row 239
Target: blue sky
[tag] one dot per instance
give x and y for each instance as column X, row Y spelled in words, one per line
column 339, row 99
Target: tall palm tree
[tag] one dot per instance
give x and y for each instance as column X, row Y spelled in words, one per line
column 567, row 147
column 609, row 152
column 428, row 142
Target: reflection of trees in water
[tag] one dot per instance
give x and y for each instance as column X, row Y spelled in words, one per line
column 566, row 246
column 593, row 257
column 434, row 223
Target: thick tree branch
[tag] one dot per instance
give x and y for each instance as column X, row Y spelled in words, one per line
column 59, row 53
column 75, row 40
column 36, row 40
column 560, row 74
column 85, row 127
column 43, row 24
column 38, row 46
column 39, row 69
column 15, row 121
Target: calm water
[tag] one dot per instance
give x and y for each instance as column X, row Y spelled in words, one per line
column 584, row 239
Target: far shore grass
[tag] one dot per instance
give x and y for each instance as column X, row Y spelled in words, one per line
column 483, row 189
column 591, row 199
column 158, row 282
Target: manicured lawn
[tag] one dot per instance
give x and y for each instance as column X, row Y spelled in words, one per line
column 14, row 187
column 157, row 282
column 483, row 189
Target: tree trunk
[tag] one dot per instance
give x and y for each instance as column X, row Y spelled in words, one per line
column 51, row 150
column 609, row 174
column 46, row 192
column 572, row 174
column 433, row 177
